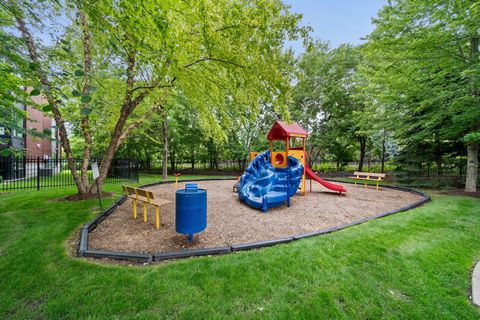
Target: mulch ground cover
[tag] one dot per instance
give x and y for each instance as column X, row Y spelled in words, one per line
column 231, row 221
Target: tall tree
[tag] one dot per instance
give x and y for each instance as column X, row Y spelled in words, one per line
column 328, row 101
column 206, row 49
column 425, row 64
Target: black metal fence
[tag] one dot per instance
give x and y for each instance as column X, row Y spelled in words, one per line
column 23, row 173
column 223, row 167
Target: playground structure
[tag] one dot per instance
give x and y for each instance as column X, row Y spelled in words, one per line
column 274, row 176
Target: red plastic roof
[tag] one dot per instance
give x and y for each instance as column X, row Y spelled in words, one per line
column 280, row 131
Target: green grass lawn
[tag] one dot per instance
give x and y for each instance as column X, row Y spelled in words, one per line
column 415, row 265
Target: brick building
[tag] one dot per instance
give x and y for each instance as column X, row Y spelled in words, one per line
column 35, row 146
column 30, row 146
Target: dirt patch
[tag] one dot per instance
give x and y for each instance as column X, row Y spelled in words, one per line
column 87, row 196
column 230, row 221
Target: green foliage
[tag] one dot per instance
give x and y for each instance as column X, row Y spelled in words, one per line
column 85, row 99
column 35, row 92
column 226, row 58
column 79, row 73
column 189, row 141
column 47, row 108
column 472, row 137
column 218, row 54
column 11, row 92
column 85, row 111
column 423, row 69
column 330, row 103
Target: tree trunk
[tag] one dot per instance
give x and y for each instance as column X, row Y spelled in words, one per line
column 165, row 149
column 119, row 134
column 85, row 123
column 363, row 143
column 172, row 160
column 192, row 158
column 383, row 151
column 472, row 167
column 472, row 147
column 112, row 148
column 438, row 162
column 438, row 153
column 148, row 161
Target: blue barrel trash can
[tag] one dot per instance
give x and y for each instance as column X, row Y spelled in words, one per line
column 190, row 210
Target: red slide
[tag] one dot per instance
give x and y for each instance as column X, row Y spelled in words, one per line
column 326, row 184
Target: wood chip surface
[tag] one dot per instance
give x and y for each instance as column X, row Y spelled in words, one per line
column 230, row 221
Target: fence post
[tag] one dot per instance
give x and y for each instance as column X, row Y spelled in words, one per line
column 38, row 173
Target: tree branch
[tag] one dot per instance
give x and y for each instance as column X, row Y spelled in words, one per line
column 129, row 105
column 155, row 85
column 136, row 124
column 213, row 59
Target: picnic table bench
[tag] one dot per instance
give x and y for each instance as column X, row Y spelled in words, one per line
column 368, row 176
column 145, row 197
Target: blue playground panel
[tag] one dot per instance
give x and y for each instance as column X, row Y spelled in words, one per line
column 263, row 186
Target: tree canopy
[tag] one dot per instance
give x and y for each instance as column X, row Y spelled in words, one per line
column 115, row 63
column 204, row 80
column 423, row 67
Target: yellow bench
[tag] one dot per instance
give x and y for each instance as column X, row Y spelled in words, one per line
column 368, row 176
column 146, row 197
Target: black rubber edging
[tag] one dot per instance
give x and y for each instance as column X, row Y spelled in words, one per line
column 190, row 253
column 91, row 225
column 121, row 200
column 83, row 241
column 102, row 216
column 260, row 244
column 143, row 257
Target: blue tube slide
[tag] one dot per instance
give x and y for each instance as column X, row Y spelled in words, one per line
column 263, row 186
